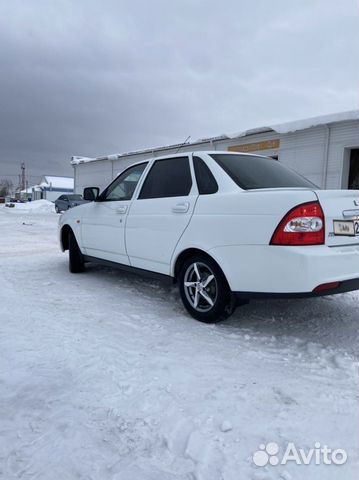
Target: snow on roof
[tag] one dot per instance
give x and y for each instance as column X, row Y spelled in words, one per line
column 57, row 182
column 28, row 189
column 76, row 159
column 289, row 127
column 282, row 128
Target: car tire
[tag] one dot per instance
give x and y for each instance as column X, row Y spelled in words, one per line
column 204, row 290
column 76, row 259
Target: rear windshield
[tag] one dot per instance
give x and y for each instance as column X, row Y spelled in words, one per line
column 251, row 172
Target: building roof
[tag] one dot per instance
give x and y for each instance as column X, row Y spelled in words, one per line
column 66, row 183
column 28, row 189
column 290, row 127
column 281, row 128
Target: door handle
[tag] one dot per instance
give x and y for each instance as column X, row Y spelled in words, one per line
column 180, row 207
column 121, row 209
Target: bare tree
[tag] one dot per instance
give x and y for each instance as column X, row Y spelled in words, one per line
column 6, row 187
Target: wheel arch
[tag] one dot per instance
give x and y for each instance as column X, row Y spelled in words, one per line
column 64, row 237
column 190, row 252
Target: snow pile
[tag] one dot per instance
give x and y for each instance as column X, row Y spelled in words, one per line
column 37, row 206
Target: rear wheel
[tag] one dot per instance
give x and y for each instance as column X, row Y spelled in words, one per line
column 76, row 259
column 204, row 290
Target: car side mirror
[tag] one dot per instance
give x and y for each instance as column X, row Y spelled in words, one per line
column 91, row 193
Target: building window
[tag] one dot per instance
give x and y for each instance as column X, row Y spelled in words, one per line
column 353, row 183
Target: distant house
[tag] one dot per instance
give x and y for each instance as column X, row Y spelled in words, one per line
column 26, row 194
column 51, row 187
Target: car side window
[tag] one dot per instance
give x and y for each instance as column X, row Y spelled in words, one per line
column 65, row 198
column 61, row 197
column 124, row 185
column 206, row 182
column 170, row 177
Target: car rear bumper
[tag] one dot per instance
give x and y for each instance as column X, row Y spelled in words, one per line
column 267, row 270
column 345, row 286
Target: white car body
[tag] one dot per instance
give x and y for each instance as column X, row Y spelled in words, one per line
column 233, row 226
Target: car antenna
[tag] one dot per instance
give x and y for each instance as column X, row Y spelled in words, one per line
column 184, row 143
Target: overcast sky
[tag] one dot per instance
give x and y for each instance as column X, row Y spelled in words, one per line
column 91, row 77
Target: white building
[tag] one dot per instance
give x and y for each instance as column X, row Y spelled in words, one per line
column 51, row 187
column 324, row 149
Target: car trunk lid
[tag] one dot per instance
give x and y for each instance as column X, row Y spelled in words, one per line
column 340, row 205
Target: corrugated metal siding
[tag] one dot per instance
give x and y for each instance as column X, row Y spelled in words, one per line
column 92, row 174
column 306, row 151
column 257, row 137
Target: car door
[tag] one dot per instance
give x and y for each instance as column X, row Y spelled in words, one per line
column 103, row 221
column 64, row 204
column 59, row 202
column 160, row 213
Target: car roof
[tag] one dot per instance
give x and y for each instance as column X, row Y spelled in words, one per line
column 196, row 152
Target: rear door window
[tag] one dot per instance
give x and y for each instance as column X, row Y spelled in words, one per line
column 170, row 177
column 252, row 172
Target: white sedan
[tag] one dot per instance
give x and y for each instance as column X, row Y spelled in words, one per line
column 226, row 227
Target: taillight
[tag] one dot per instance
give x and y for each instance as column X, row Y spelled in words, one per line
column 303, row 225
column 326, row 286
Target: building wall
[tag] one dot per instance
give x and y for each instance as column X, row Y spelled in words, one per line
column 304, row 151
column 320, row 153
column 93, row 174
column 343, row 137
column 50, row 195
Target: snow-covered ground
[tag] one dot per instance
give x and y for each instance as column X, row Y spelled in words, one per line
column 104, row 376
column 38, row 206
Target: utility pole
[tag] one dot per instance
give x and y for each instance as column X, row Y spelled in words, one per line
column 23, row 177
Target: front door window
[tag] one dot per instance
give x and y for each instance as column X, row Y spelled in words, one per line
column 124, row 186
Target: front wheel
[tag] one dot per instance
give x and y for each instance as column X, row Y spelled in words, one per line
column 76, row 259
column 204, row 290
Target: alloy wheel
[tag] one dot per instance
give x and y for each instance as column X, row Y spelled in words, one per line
column 200, row 286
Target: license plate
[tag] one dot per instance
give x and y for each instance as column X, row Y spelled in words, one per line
column 349, row 228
